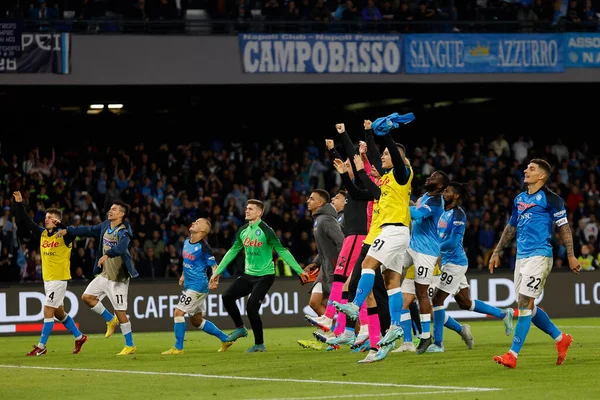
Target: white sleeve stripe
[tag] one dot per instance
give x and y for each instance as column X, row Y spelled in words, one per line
column 562, row 221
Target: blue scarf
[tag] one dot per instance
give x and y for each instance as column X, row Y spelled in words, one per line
column 382, row 126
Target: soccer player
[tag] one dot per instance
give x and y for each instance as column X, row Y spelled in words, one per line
column 354, row 229
column 258, row 241
column 373, row 325
column 535, row 210
column 198, row 261
column 377, row 300
column 55, row 252
column 423, row 252
column 328, row 237
column 114, row 267
column 389, row 247
column 453, row 281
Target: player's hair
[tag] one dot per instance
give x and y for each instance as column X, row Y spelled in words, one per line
column 463, row 190
column 324, row 194
column 257, row 203
column 400, row 146
column 55, row 211
column 543, row 164
column 343, row 192
column 207, row 223
column 445, row 179
column 123, row 205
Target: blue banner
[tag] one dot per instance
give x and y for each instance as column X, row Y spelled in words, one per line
column 483, row 53
column 583, row 50
column 321, row 53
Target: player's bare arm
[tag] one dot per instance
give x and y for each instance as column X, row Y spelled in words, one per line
column 507, row 236
column 567, row 237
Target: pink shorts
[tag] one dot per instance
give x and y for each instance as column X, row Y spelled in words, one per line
column 349, row 254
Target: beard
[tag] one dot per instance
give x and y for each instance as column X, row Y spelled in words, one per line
column 429, row 187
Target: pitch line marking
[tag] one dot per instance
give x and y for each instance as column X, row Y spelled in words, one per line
column 251, row 378
column 352, row 396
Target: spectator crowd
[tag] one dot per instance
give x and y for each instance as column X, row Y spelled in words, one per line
column 231, row 16
column 170, row 186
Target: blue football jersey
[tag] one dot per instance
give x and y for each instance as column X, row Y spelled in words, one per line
column 533, row 215
column 425, row 215
column 451, row 231
column 198, row 259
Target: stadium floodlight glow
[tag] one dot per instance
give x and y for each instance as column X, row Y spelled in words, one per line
column 115, row 106
column 391, row 102
column 477, row 100
column 97, row 106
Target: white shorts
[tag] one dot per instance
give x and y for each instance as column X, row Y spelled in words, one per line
column 192, row 302
column 424, row 266
column 55, row 293
column 115, row 291
column 390, row 246
column 453, row 278
column 317, row 288
column 435, row 283
column 408, row 286
column 531, row 274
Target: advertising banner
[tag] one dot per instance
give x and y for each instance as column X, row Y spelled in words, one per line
column 583, row 50
column 152, row 304
column 321, row 53
column 10, row 38
column 483, row 53
column 40, row 53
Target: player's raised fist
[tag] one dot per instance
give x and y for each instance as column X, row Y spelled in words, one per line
column 341, row 128
column 329, row 144
column 368, row 124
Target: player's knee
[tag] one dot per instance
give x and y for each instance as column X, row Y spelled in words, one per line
column 463, row 303
column 252, row 308
column 226, row 297
column 88, row 299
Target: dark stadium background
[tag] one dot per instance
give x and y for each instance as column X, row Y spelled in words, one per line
column 179, row 114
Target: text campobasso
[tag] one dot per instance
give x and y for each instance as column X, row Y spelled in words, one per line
column 321, row 53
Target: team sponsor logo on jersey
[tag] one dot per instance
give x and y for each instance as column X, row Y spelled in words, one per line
column 522, row 206
column 560, row 213
column 459, row 223
column 112, row 242
column 187, row 255
column 252, row 243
